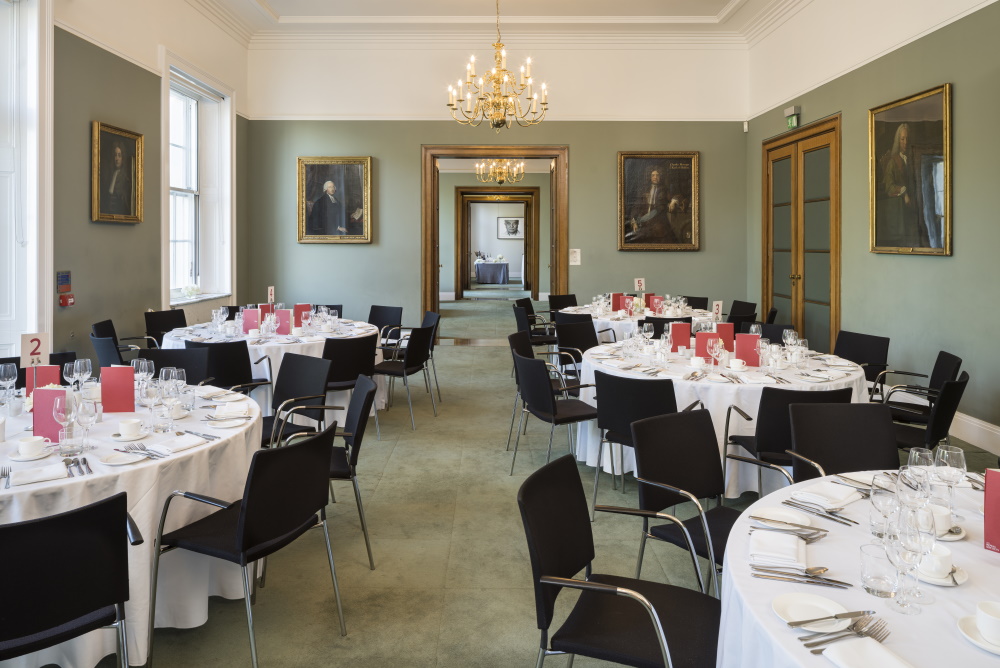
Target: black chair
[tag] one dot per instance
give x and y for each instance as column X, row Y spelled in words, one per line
column 389, row 320
column 520, row 344
column 339, row 308
column 871, row 352
column 771, row 315
column 64, row 603
column 229, row 365
column 285, row 489
column 299, row 389
column 742, row 308
column 938, row 420
column 559, row 302
column 431, row 319
column 540, row 400
column 349, row 359
column 839, row 438
column 105, row 329
column 108, row 353
column 344, row 463
column 632, row 622
column 772, row 332
column 698, row 302
column 538, row 338
column 574, row 340
column 194, row 361
column 660, row 323
column 740, row 320
column 538, row 324
column 409, row 360
column 159, row 323
column 231, row 312
column 946, row 368
column 772, row 438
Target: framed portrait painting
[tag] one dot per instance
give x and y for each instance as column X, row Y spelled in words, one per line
column 909, row 158
column 509, row 227
column 116, row 165
column 335, row 200
column 658, row 200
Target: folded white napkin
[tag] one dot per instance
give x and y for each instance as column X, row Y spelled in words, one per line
column 828, row 494
column 42, row 473
column 618, row 364
column 759, row 379
column 231, row 409
column 177, row 444
column 202, row 390
column 769, row 548
column 666, row 373
column 863, row 653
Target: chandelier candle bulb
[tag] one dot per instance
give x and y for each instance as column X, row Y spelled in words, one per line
column 527, row 71
column 522, row 75
column 472, row 69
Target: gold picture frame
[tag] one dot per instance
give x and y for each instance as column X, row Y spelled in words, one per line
column 658, row 204
column 116, row 169
column 909, row 174
column 334, row 196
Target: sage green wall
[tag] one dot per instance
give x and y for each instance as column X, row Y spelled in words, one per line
column 924, row 304
column 388, row 270
column 446, row 230
column 116, row 267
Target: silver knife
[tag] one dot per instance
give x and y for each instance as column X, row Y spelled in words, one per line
column 761, row 569
column 788, row 524
column 842, row 615
column 68, row 463
column 76, row 463
column 814, row 512
column 194, row 433
column 86, row 465
column 816, row 506
column 818, row 583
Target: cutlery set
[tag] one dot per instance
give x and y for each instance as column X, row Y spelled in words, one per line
column 977, row 480
column 5, row 475
column 140, row 449
column 81, row 466
column 819, row 511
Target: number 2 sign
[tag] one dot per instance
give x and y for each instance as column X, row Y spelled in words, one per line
column 35, row 349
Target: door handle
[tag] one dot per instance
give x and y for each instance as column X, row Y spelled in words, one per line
column 794, row 276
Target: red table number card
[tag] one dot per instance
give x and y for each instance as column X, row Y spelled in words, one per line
column 680, row 335
column 118, row 389
column 649, row 296
column 284, row 321
column 655, row 303
column 40, row 376
column 266, row 308
column 725, row 331
column 617, row 301
column 251, row 319
column 299, row 309
column 44, row 424
column 991, row 510
column 746, row 348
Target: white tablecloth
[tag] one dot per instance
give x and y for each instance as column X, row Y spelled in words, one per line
column 186, row 580
column 717, row 398
column 626, row 326
column 751, row 635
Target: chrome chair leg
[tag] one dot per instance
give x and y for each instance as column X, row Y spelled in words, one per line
column 513, row 412
column 642, row 548
column 427, row 380
column 436, row 384
column 517, row 441
column 378, row 430
column 569, row 433
column 552, row 432
column 569, row 664
column 597, row 477
column 541, row 657
column 333, row 497
column 409, row 401
column 364, row 524
column 246, row 598
column 621, row 464
column 122, row 632
column 263, row 572
column 333, row 573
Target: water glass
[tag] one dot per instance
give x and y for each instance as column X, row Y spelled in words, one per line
column 86, row 416
column 69, row 373
column 878, row 576
column 64, row 410
column 755, row 329
column 884, row 502
column 950, row 468
column 913, row 487
column 82, row 370
column 69, row 443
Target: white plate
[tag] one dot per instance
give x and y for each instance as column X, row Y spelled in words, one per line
column 120, row 459
column 783, row 515
column 795, row 606
column 226, row 424
column 126, row 439
column 46, row 451
column 230, row 398
column 961, row 577
column 952, row 537
column 716, row 378
column 967, row 625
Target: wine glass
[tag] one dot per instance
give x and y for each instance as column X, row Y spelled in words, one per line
column 755, row 328
column 64, row 410
column 8, row 377
column 950, row 468
column 666, row 340
column 762, row 348
column 913, row 487
column 170, row 396
column 149, row 396
column 917, row 528
column 904, row 552
column 883, row 498
column 306, row 320
column 647, row 330
column 86, row 416
column 69, row 373
column 713, row 349
column 718, row 351
column 166, row 375
column 82, row 370
column 789, row 337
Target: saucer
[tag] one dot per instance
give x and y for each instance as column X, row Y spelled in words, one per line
column 952, row 537
column 120, row 459
column 961, row 576
column 231, row 397
column 125, row 439
column 967, row 625
column 46, row 451
column 227, row 424
column 795, row 606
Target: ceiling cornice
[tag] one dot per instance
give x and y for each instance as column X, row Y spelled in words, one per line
column 229, row 22
column 770, row 18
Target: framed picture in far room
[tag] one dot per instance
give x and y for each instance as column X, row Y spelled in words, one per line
column 658, row 200
column 116, row 174
column 509, row 227
column 335, row 197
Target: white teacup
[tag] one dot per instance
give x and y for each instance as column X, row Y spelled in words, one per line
column 737, row 364
column 697, row 362
column 177, row 411
column 253, row 332
column 326, row 328
column 942, row 518
column 129, row 428
column 937, row 564
column 31, row 446
column 988, row 621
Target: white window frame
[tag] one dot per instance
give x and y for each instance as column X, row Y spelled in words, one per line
column 217, row 188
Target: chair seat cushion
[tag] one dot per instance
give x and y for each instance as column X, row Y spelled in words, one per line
column 268, row 425
column 618, row 437
column 908, row 412
column 49, row 637
column 568, row 411
column 340, row 467
column 542, row 340
column 618, row 629
column 749, row 443
column 396, row 368
column 720, row 524
column 339, row 385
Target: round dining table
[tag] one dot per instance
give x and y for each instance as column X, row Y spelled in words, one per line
column 217, row 467
column 716, row 393
column 624, row 326
column 752, row 635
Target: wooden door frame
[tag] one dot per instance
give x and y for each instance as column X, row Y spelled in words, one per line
column 831, row 126
column 429, row 210
column 530, row 196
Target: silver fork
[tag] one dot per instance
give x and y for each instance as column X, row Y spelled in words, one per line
column 140, row 449
column 857, row 625
column 5, row 473
column 874, row 630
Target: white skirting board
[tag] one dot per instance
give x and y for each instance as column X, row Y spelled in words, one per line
column 977, row 432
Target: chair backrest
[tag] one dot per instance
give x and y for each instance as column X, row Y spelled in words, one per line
column 525, row 303
column 357, row 415
column 773, row 332
column 418, row 347
column 570, row 318
column 339, row 308
column 105, row 329
column 92, row 539
column 739, row 320
column 742, row 308
column 944, row 409
column 232, row 311
column 520, row 344
column 228, row 362
column 533, row 382
column 159, row 323
column 386, row 316
column 842, row 438
column 577, row 338
column 698, row 302
column 431, row 319
column 660, row 323
column 301, row 376
column 774, row 432
column 624, row 400
column 350, row 357
column 106, row 350
column 521, row 317
column 680, row 450
column 59, row 359
column 557, row 525
column 946, row 368
column 285, row 487
column 863, row 349
column 194, row 361
column 559, row 302
column 771, row 315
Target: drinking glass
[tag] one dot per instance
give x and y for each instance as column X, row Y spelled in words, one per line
column 789, row 337
column 8, row 377
column 877, row 573
column 921, row 457
column 883, row 498
column 917, row 528
column 666, row 340
column 755, row 329
column 64, row 410
column 69, row 373
column 149, row 396
column 180, row 378
column 762, row 347
column 950, row 469
column 905, row 556
column 167, row 374
column 712, row 348
column 913, row 487
column 306, row 321
column 82, row 370
column 647, row 330
column 86, row 416
column 170, row 396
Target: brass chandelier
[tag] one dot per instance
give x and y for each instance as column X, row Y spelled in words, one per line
column 496, row 96
column 500, row 171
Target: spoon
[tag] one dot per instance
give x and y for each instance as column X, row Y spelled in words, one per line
column 68, row 462
column 951, row 574
column 955, row 530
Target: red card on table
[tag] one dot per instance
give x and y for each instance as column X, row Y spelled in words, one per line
column 680, row 334
column 655, row 303
column 725, row 331
column 266, row 308
column 251, row 319
column 649, row 299
column 40, row 376
column 43, row 422
column 617, row 301
column 284, row 321
column 118, row 389
column 746, row 348
column 991, row 511
column 701, row 340
column 299, row 309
